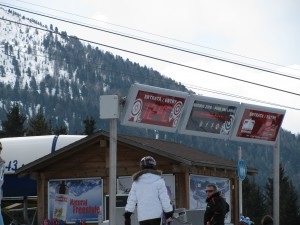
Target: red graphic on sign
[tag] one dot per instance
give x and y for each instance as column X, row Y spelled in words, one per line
column 156, row 109
column 260, row 125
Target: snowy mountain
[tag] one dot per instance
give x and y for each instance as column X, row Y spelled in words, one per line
column 26, row 47
column 43, row 69
column 25, row 63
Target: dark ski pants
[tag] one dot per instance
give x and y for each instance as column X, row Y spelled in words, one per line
column 150, row 222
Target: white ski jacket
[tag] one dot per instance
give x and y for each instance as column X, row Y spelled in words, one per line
column 149, row 193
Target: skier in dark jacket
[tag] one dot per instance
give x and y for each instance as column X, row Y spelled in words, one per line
column 216, row 207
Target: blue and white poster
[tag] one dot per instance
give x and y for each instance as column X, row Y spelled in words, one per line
column 72, row 200
column 197, row 195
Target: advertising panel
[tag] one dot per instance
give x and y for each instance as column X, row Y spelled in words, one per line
column 258, row 124
column 152, row 107
column 197, row 195
column 124, row 185
column 209, row 117
column 72, row 200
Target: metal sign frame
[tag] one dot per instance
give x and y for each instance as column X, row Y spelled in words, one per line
column 244, row 123
column 153, row 108
column 209, row 117
column 258, row 124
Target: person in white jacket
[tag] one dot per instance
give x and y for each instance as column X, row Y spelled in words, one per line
column 149, row 194
column 2, row 168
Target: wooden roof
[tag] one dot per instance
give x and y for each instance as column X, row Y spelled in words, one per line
column 177, row 152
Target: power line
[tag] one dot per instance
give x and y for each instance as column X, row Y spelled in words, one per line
column 163, row 60
column 158, row 44
column 238, row 96
column 170, row 63
column 157, row 35
column 100, row 69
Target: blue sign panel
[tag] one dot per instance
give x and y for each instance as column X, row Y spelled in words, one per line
column 242, row 169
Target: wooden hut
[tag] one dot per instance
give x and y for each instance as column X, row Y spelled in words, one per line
column 89, row 157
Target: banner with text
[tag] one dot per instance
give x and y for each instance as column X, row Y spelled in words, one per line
column 258, row 124
column 197, row 191
column 209, row 117
column 72, row 200
column 152, row 107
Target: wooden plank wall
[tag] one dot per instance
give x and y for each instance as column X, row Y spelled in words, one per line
column 94, row 162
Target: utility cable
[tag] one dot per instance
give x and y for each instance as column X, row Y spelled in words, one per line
column 238, row 96
column 158, row 44
column 161, row 36
column 100, row 69
column 162, row 60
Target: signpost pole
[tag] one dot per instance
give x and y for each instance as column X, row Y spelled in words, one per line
column 112, row 171
column 276, row 192
column 109, row 109
column 240, row 186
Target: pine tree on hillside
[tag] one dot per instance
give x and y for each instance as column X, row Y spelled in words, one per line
column 253, row 201
column 14, row 125
column 60, row 130
column 15, row 63
column 89, row 125
column 38, row 126
column 288, row 205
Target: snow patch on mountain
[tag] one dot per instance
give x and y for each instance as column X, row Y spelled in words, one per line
column 23, row 57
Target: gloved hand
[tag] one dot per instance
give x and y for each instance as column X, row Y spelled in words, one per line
column 169, row 217
column 127, row 218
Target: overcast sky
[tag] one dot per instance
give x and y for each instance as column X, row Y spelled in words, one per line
column 263, row 34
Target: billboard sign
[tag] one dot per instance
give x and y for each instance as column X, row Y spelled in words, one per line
column 152, row 107
column 197, row 195
column 73, row 200
column 209, row 117
column 258, row 124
